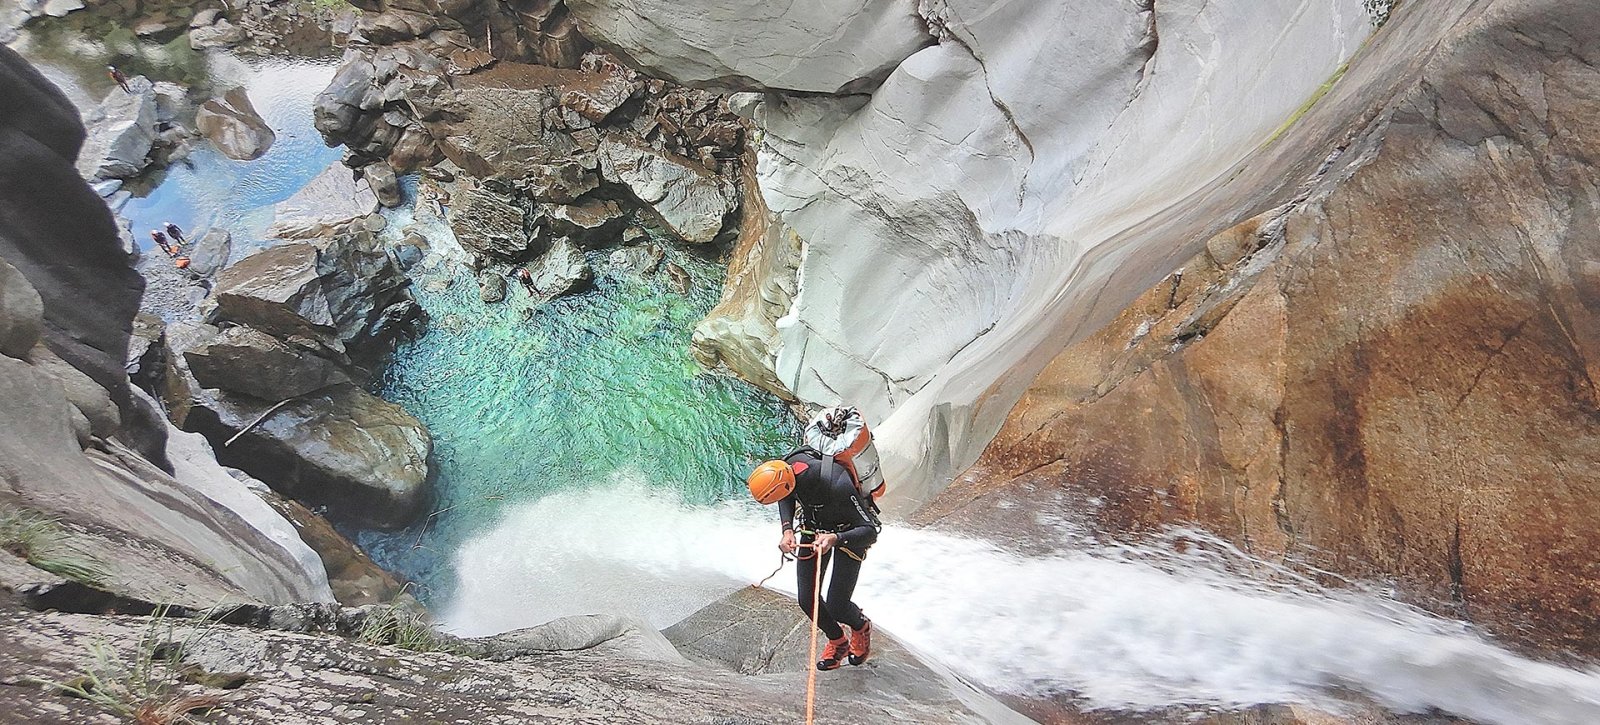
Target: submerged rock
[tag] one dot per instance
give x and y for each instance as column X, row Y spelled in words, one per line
column 491, row 287
column 562, row 270
column 234, row 127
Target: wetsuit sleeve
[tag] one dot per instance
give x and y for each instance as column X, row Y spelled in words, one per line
column 863, row 534
column 786, row 512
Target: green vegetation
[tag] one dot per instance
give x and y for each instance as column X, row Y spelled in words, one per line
column 143, row 685
column 392, row 624
column 41, row 540
column 1312, row 101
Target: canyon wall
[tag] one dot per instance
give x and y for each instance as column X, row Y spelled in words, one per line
column 991, row 200
column 1390, row 377
column 77, row 443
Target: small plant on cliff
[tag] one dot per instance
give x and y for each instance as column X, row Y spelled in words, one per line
column 391, row 624
column 142, row 686
column 41, row 540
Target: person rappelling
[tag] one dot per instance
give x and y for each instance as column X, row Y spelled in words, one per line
column 824, row 507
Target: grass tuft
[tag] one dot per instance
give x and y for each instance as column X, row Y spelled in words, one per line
column 143, row 686
column 391, row 624
column 42, row 541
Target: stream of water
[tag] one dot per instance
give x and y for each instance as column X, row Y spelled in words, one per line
column 1114, row 630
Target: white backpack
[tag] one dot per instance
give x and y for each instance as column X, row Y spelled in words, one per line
column 842, row 433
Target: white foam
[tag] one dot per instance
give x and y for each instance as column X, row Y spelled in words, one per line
column 1118, row 633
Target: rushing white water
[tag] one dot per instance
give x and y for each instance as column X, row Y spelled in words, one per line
column 1117, row 632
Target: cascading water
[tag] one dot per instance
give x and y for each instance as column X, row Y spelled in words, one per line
column 1115, row 631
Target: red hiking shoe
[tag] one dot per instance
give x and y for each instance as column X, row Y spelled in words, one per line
column 861, row 643
column 833, row 654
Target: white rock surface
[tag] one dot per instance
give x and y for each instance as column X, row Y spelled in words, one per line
column 333, row 197
column 822, row 46
column 964, row 223
column 195, row 467
column 121, row 131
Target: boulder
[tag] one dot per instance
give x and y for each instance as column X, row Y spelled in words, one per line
column 491, row 287
column 88, row 397
column 233, row 126
column 639, row 260
column 603, row 93
column 60, row 8
column 562, row 270
column 337, row 108
column 355, row 578
column 596, row 222
column 210, row 253
column 363, row 457
column 121, row 131
column 21, row 313
column 408, row 254
column 250, row 362
column 206, row 18
column 277, row 290
column 60, row 236
column 337, row 290
column 690, row 202
column 560, row 182
column 488, row 223
column 221, row 34
column 380, row 177
column 333, row 198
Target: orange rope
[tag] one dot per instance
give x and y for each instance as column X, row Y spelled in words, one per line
column 811, row 653
column 816, row 606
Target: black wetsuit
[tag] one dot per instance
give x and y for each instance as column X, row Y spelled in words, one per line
column 826, row 500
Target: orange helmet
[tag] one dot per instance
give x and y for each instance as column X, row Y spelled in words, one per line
column 771, row 482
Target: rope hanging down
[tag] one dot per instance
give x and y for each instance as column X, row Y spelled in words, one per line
column 816, row 603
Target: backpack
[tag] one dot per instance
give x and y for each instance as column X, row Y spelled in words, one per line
column 840, row 433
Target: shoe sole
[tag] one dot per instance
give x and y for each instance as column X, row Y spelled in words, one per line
column 857, row 661
column 823, row 668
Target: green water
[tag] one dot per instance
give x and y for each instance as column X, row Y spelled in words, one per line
column 525, row 400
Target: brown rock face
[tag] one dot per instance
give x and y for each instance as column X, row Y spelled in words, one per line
column 1392, row 377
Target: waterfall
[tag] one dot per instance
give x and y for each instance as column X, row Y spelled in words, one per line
column 1116, row 631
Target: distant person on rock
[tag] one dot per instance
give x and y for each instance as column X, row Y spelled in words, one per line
column 120, row 77
column 161, row 241
column 526, row 278
column 174, row 232
column 822, row 511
